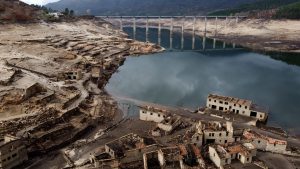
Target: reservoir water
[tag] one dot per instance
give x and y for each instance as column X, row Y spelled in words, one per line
column 185, row 78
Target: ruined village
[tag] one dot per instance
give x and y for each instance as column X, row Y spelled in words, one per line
column 55, row 112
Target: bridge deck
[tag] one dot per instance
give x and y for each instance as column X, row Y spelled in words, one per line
column 157, row 17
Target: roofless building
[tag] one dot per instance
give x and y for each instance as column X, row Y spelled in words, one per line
column 238, row 106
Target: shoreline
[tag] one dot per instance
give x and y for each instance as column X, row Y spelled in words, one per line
column 276, row 128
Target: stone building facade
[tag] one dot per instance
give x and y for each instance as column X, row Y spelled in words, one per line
column 215, row 132
column 238, row 106
column 224, row 155
column 12, row 152
column 266, row 143
column 153, row 114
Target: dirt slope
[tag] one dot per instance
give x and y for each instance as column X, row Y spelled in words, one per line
column 14, row 10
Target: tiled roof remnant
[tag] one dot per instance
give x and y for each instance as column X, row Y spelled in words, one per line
column 230, row 99
column 253, row 135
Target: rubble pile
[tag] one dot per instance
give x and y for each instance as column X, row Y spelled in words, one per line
column 15, row 126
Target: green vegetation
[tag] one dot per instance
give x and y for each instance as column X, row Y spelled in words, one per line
column 291, row 11
column 179, row 7
column 68, row 12
column 49, row 16
column 228, row 12
column 259, row 5
column 43, row 8
column 145, row 7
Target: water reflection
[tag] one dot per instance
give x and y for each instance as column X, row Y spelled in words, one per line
column 175, row 41
column 289, row 58
column 186, row 78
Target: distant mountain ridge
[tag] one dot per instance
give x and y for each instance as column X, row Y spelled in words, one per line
column 289, row 9
column 146, row 7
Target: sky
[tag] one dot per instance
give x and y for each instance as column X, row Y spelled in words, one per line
column 39, row 2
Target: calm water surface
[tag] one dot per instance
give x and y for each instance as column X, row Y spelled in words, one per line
column 185, row 78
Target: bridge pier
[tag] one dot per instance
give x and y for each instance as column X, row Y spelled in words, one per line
column 134, row 28
column 135, row 19
column 182, row 33
column 147, row 29
column 204, row 43
column 214, row 43
column 159, row 31
column 216, row 29
column 204, row 34
column 226, row 22
column 171, row 33
column 194, row 25
column 121, row 24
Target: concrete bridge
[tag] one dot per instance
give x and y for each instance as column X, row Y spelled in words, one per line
column 168, row 22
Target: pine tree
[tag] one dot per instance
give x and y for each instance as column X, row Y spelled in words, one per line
column 67, row 12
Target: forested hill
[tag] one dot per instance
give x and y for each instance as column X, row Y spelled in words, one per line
column 146, row 7
column 289, row 9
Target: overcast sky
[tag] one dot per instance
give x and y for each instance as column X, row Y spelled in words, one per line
column 39, row 2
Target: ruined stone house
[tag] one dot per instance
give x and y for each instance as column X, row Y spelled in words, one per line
column 195, row 135
column 169, row 124
column 119, row 147
column 149, row 113
column 238, row 106
column 156, row 132
column 224, row 155
column 174, row 157
column 170, row 157
column 265, row 143
column 31, row 90
column 96, row 72
column 212, row 132
column 166, row 121
column 192, row 157
column 215, row 132
column 150, row 160
column 242, row 152
column 73, row 75
column 12, row 152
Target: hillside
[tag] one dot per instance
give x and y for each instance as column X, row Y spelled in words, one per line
column 146, row 7
column 14, row 10
column 291, row 11
column 264, row 8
